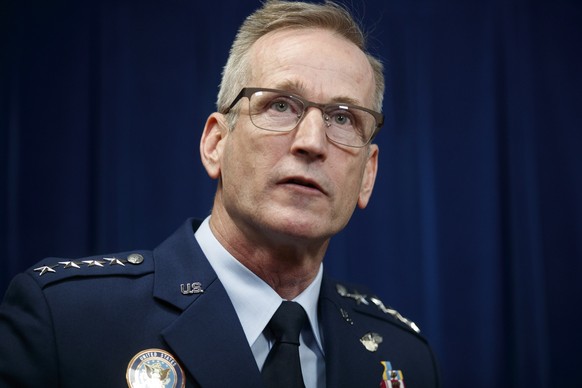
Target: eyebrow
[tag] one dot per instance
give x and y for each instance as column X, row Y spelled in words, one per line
column 298, row 87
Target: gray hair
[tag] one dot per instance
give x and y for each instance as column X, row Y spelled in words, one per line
column 277, row 15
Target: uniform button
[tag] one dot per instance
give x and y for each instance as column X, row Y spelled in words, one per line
column 135, row 258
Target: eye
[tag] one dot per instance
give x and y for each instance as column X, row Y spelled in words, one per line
column 284, row 105
column 280, row 106
column 342, row 118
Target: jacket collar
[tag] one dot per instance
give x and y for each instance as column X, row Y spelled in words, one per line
column 207, row 336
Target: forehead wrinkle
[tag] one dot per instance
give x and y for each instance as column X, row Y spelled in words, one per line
column 292, row 85
column 299, row 87
column 283, row 62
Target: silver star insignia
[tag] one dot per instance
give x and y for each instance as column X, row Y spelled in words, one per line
column 44, row 269
column 341, row 290
column 359, row 298
column 69, row 264
column 94, row 263
column 114, row 261
column 395, row 314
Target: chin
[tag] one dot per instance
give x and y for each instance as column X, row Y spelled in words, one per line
column 299, row 227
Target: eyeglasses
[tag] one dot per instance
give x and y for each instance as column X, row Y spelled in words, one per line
column 280, row 111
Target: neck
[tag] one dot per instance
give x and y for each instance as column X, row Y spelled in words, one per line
column 288, row 266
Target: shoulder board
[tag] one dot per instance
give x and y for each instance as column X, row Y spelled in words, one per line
column 51, row 269
column 371, row 304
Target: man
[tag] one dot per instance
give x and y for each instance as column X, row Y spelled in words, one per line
column 291, row 149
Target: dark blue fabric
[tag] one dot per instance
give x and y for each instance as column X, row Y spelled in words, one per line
column 80, row 327
column 474, row 228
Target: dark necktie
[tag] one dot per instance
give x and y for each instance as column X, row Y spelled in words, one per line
column 282, row 368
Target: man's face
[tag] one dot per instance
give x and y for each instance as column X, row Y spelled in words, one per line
column 298, row 186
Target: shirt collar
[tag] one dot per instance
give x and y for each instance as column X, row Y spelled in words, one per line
column 254, row 301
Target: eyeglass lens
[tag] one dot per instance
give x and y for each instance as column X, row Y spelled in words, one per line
column 275, row 111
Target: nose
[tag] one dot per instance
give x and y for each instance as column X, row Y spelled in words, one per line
column 310, row 139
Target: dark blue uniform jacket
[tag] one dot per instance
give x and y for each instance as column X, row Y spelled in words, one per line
column 79, row 323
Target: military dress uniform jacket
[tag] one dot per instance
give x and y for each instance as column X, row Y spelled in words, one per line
column 79, row 323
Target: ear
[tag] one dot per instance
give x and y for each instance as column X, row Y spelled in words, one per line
column 369, row 177
column 212, row 144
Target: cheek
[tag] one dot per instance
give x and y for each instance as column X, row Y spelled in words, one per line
column 233, row 165
column 348, row 176
column 245, row 160
column 348, row 184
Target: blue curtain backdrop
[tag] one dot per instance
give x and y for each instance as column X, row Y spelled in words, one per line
column 474, row 230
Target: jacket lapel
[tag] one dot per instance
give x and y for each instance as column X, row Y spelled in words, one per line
column 348, row 363
column 209, row 340
column 207, row 336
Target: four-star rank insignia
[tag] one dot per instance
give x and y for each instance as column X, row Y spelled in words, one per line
column 154, row 368
column 365, row 299
column 72, row 265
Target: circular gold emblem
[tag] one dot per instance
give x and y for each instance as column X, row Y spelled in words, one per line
column 154, row 368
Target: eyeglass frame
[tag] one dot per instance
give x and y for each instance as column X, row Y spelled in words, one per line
column 248, row 92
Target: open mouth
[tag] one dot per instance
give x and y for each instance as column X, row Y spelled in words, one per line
column 304, row 183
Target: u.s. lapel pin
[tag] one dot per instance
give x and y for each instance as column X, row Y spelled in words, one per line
column 191, row 288
column 371, row 341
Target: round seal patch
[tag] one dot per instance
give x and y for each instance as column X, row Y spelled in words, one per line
column 154, row 368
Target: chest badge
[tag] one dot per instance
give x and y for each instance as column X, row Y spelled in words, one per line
column 391, row 378
column 371, row 341
column 154, row 368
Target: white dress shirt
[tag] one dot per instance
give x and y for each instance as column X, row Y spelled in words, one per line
column 255, row 302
